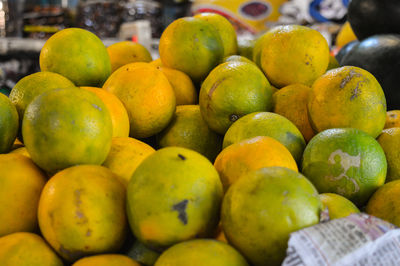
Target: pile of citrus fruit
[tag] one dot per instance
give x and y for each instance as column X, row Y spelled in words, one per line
column 200, row 157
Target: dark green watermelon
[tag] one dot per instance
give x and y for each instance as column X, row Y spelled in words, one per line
column 371, row 17
column 380, row 55
column 344, row 50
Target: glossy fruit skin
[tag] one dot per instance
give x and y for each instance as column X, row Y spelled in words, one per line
column 379, row 55
column 200, row 251
column 78, row 55
column 370, row 17
column 344, row 50
column 57, row 133
column 345, row 161
column 338, row 206
column 106, row 260
column 9, row 124
column 262, row 208
column 390, row 141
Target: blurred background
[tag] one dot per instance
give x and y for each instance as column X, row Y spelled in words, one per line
column 26, row 24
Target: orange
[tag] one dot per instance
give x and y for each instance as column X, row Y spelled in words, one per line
column 293, row 54
column 106, row 260
column 345, row 35
column 348, row 162
column 236, row 58
column 184, row 90
column 267, row 124
column 66, row 127
column 347, row 97
column 384, row 203
column 338, row 206
column 199, row 252
column 188, row 129
column 251, row 154
column 82, row 212
column 245, row 48
column 21, row 184
column 9, row 124
column 174, row 195
column 390, row 141
column 333, row 63
column 192, row 46
column 22, row 151
column 141, row 253
column 122, row 53
column 226, row 94
column 392, row 119
column 33, row 85
column 157, row 62
column 262, row 208
column 26, row 249
column 78, row 55
column 147, row 96
column 125, row 156
column 291, row 102
column 258, row 44
column 118, row 113
column 225, row 30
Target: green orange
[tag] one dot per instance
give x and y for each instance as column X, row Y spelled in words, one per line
column 263, row 207
column 390, row 141
column 66, row 127
column 267, row 124
column 174, row 195
column 191, row 45
column 78, row 55
column 200, row 251
column 347, row 97
column 9, row 124
column 189, row 130
column 347, row 161
column 338, row 206
column 226, row 94
column 122, row 53
column 106, row 260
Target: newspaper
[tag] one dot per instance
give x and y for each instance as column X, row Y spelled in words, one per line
column 359, row 240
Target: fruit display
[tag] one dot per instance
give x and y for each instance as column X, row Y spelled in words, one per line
column 213, row 154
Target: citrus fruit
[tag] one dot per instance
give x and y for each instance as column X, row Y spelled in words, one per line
column 345, row 35
column 156, row 63
column 147, row 96
column 78, row 55
column 338, row 206
column 17, row 144
column 125, row 156
column 26, row 249
column 227, row 94
column 189, row 130
column 225, row 30
column 258, row 45
column 200, row 252
column 379, row 55
column 262, row 208
column 390, row 141
column 294, row 54
column 106, row 260
column 9, row 124
column 245, row 47
column 333, row 63
column 347, row 161
column 82, row 212
column 392, row 119
column 236, row 58
column 184, row 90
column 22, row 151
column 251, row 154
column 174, row 195
column 33, row 85
column 267, row 124
column 122, row 53
column 65, row 127
column 384, row 203
column 118, row 113
column 21, row 184
column 192, row 46
column 291, row 102
column 142, row 254
column 347, row 97
column 371, row 17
